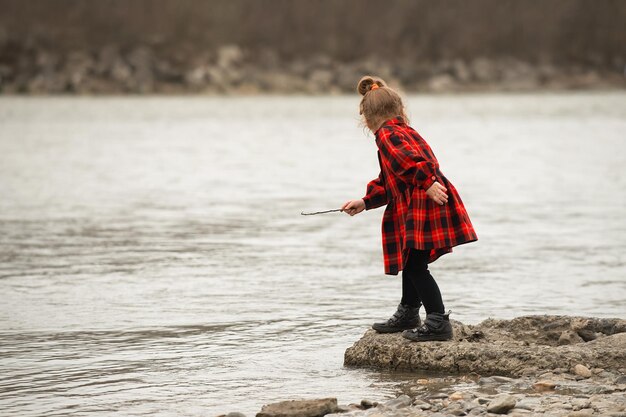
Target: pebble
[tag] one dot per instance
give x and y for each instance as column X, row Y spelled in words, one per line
column 582, row 370
column 544, row 385
column 501, row 404
column 456, row 396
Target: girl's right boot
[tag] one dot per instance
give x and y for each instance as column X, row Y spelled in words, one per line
column 406, row 317
column 436, row 327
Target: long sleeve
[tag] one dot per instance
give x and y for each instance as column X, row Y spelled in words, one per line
column 406, row 162
column 375, row 195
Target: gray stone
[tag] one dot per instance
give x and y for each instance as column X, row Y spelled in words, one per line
column 235, row 414
column 399, row 402
column 300, row 408
column 501, row 404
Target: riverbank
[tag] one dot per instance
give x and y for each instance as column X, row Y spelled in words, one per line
column 32, row 66
column 579, row 392
column 531, row 365
column 558, row 393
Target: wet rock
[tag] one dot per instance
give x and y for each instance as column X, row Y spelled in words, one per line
column 582, row 370
column 300, row 408
column 365, row 404
column 399, row 402
column 507, row 347
column 501, row 404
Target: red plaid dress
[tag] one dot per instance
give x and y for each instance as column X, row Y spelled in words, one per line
column 408, row 167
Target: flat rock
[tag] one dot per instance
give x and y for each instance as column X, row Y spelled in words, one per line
column 499, row 347
column 300, row 408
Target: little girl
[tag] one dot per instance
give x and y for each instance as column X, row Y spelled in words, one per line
column 424, row 217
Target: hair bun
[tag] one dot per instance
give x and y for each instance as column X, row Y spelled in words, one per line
column 366, row 82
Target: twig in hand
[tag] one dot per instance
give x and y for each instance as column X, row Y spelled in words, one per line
column 321, row 212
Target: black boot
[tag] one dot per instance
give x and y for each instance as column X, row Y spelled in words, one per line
column 436, row 327
column 405, row 317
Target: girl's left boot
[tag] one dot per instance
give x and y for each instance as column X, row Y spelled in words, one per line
column 436, row 327
column 405, row 317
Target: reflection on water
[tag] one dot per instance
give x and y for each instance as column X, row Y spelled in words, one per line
column 154, row 260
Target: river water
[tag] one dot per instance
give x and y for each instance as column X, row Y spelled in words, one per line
column 153, row 259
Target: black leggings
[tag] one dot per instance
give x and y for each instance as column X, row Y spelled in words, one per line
column 419, row 285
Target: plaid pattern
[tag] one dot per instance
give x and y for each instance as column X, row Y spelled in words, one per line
column 408, row 167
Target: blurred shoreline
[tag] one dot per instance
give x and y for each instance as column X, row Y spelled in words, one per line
column 235, row 47
column 30, row 68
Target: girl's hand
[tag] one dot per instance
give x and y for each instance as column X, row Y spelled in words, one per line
column 437, row 192
column 353, row 207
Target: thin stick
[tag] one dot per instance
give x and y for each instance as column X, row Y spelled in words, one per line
column 320, row 212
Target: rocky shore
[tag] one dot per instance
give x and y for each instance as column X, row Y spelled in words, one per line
column 528, row 366
column 34, row 66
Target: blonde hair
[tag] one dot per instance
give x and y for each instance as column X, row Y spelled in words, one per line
column 379, row 104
